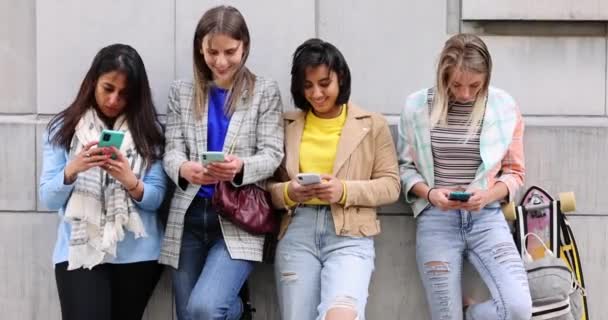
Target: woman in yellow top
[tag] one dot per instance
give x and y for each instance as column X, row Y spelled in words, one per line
column 325, row 256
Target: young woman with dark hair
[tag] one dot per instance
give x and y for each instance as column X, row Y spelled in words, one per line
column 325, row 255
column 108, row 240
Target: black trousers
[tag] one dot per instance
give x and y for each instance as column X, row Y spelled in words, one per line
column 108, row 291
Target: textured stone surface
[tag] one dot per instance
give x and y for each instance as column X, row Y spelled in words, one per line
column 17, row 167
column 579, row 10
column 65, row 52
column 551, row 75
column 388, row 54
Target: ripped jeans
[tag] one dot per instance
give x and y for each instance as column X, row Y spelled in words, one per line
column 317, row 270
column 444, row 238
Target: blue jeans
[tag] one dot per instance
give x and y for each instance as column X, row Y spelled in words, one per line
column 444, row 238
column 316, row 270
column 208, row 281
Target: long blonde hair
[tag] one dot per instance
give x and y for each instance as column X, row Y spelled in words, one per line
column 462, row 52
column 229, row 21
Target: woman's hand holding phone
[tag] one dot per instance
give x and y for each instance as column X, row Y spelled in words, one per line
column 299, row 193
column 479, row 199
column 88, row 158
column 439, row 197
column 196, row 173
column 330, row 190
column 226, row 170
column 119, row 168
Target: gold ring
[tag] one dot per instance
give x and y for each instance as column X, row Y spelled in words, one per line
column 109, row 167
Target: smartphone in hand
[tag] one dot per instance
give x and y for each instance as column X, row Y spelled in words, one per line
column 459, row 196
column 213, row 156
column 306, row 179
column 111, row 138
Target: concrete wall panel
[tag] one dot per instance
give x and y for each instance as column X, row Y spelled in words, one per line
column 570, row 159
column 28, row 288
column 71, row 32
column 17, row 56
column 551, row 75
column 17, row 167
column 388, row 55
column 565, row 10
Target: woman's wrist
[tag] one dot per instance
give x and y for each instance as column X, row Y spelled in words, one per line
column 428, row 195
column 134, row 187
column 68, row 176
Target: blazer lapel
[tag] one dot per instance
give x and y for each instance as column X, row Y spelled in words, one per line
column 293, row 138
column 355, row 129
column 200, row 130
column 236, row 122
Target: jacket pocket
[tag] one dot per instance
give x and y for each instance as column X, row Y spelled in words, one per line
column 367, row 221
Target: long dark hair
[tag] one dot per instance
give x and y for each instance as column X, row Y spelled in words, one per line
column 312, row 53
column 228, row 21
column 140, row 112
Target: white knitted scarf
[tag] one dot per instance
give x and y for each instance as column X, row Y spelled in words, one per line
column 100, row 208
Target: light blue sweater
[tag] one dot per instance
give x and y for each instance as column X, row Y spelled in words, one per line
column 54, row 195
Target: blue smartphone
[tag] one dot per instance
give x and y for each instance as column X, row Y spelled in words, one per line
column 111, row 138
column 213, row 156
column 460, row 196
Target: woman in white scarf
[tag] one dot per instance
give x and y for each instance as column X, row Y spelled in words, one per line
column 109, row 238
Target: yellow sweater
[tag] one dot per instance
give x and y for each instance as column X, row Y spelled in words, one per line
column 318, row 149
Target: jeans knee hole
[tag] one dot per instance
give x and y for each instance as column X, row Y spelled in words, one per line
column 289, row 276
column 343, row 307
column 437, row 268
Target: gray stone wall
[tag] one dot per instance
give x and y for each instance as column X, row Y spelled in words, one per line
column 552, row 59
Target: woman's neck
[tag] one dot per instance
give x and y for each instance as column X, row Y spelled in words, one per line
column 108, row 121
column 223, row 84
column 335, row 112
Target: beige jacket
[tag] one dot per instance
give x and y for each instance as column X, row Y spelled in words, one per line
column 365, row 160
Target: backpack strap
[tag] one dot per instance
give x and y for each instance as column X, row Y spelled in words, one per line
column 521, row 229
column 554, row 225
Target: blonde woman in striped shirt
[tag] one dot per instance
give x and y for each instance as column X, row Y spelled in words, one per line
column 463, row 135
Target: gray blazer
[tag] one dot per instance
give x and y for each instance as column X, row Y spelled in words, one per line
column 259, row 144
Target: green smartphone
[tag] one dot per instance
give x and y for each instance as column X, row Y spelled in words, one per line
column 111, row 138
column 213, row 156
column 460, row 196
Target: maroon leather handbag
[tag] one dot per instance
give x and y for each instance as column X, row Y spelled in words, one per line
column 248, row 207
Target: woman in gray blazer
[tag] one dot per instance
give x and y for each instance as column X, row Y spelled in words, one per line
column 224, row 105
